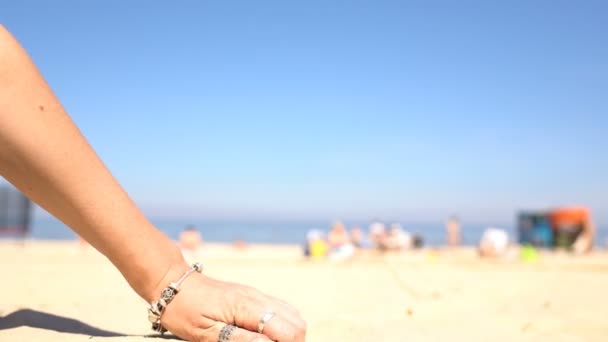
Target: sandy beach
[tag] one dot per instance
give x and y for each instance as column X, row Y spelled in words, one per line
column 57, row 291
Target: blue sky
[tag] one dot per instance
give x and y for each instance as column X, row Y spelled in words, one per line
column 324, row 109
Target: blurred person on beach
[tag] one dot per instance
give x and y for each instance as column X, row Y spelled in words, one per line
column 494, row 243
column 190, row 239
column 84, row 245
column 44, row 155
column 315, row 246
column 239, row 244
column 584, row 241
column 338, row 236
column 399, row 239
column 452, row 228
column 417, row 241
column 378, row 236
column 339, row 242
column 357, row 237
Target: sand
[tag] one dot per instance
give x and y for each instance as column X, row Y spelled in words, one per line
column 56, row 291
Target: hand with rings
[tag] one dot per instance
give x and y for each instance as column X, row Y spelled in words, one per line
column 215, row 311
column 226, row 332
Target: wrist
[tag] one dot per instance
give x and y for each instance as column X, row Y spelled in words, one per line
column 148, row 272
column 172, row 273
column 146, row 262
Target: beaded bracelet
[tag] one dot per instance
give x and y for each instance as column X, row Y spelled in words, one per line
column 156, row 309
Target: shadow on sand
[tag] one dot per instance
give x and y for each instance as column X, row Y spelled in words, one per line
column 43, row 320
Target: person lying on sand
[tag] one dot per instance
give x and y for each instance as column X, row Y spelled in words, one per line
column 44, row 154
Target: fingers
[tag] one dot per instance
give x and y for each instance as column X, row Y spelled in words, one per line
column 228, row 333
column 285, row 325
column 293, row 313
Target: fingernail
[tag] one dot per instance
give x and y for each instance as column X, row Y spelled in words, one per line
column 259, row 339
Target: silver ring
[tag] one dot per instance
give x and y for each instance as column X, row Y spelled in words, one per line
column 225, row 333
column 267, row 316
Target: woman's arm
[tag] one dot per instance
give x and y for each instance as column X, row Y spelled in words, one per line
column 44, row 154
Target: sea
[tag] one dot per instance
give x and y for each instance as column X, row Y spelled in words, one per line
column 286, row 232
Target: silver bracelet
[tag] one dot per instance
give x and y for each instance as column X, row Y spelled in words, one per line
column 156, row 309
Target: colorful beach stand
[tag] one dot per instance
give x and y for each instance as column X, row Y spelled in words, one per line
column 555, row 228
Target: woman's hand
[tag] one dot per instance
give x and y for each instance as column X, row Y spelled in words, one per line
column 205, row 305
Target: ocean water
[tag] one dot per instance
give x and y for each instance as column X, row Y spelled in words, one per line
column 286, row 232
